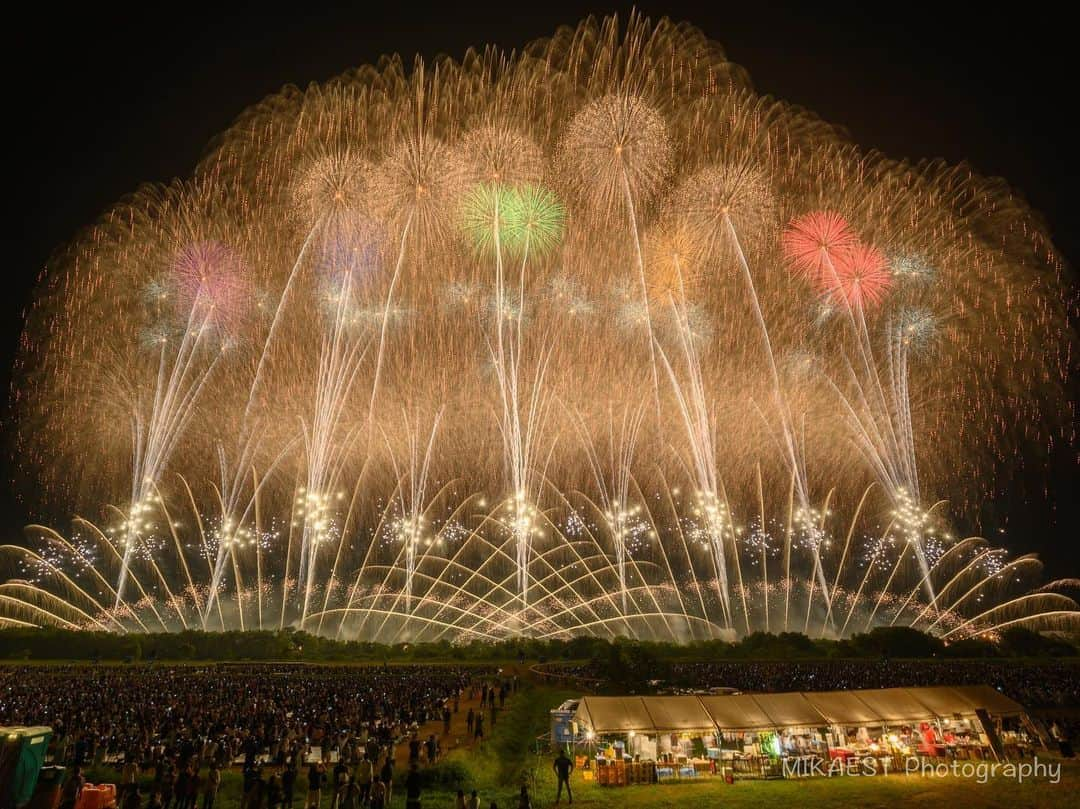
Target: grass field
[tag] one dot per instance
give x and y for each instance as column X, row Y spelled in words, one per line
column 510, row 758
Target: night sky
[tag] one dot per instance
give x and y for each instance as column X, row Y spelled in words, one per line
column 101, row 99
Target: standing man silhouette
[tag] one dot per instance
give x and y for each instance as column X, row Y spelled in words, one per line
column 563, row 766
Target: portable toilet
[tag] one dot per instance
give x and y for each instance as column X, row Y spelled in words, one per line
column 562, row 724
column 22, row 754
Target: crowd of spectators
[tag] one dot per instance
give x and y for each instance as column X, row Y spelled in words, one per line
column 293, row 730
column 1054, row 684
column 1036, row 685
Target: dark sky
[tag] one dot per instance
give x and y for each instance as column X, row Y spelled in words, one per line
column 101, row 98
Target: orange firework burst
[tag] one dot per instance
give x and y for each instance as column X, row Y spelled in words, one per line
column 813, row 242
column 862, row 277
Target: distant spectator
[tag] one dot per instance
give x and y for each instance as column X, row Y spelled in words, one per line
column 563, row 766
column 412, row 788
column 72, row 789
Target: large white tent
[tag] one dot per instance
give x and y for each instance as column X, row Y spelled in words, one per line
column 888, row 706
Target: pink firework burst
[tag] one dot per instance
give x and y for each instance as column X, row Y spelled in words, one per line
column 210, row 282
column 813, row 243
column 862, row 276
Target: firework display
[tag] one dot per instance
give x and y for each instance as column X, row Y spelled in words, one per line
column 590, row 338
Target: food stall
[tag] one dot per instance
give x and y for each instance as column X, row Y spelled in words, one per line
column 685, row 742
column 759, row 731
column 630, row 740
column 626, row 740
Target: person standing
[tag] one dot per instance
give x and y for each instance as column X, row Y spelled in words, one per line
column 192, row 798
column 351, row 800
column 316, row 774
column 1062, row 739
column 414, row 749
column 563, row 766
column 412, row 788
column 288, row 784
column 386, row 775
column 210, row 788
column 470, row 720
column 363, row 777
column 168, row 781
column 432, row 749
column 478, row 733
column 378, row 794
column 274, row 792
column 129, row 775
column 341, row 780
column 474, row 801
column 523, row 798
column 256, row 794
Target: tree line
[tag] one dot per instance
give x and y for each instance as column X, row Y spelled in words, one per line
column 290, row 645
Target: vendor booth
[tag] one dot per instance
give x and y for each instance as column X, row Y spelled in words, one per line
column 644, row 739
column 625, row 740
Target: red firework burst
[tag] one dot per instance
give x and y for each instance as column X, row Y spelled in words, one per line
column 813, row 243
column 210, row 282
column 862, row 276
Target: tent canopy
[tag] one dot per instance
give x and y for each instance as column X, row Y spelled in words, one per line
column 886, row 706
column 843, row 708
column 737, row 712
column 894, row 705
column 943, row 701
column 990, row 699
column 614, row 715
column 677, row 713
column 792, row 709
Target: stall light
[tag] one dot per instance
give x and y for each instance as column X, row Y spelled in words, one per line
column 589, row 735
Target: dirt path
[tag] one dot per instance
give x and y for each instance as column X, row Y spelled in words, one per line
column 459, row 736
